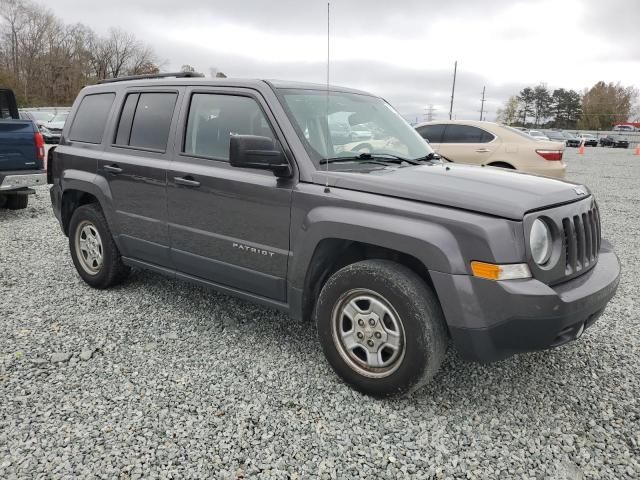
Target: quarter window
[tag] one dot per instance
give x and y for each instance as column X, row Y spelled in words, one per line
column 146, row 120
column 466, row 134
column 91, row 118
column 213, row 118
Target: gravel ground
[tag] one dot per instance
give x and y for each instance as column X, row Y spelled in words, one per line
column 160, row 379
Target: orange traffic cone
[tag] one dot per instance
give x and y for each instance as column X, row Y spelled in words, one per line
column 637, row 152
column 581, row 149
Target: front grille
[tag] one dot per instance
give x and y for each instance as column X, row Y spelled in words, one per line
column 581, row 240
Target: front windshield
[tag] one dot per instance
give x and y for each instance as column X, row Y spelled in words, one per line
column 535, row 133
column 347, row 125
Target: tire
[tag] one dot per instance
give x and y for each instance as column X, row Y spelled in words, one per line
column 105, row 270
column 412, row 321
column 17, row 202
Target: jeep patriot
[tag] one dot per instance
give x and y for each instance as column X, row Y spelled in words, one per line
column 260, row 189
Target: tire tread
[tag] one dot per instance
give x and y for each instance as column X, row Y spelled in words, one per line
column 115, row 271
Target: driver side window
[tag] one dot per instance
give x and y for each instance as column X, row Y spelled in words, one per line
column 214, row 118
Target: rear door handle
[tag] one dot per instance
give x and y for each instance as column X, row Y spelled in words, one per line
column 483, row 150
column 186, row 181
column 112, row 169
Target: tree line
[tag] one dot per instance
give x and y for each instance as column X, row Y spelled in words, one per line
column 47, row 62
column 597, row 108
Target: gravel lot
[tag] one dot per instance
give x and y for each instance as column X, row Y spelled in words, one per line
column 160, row 379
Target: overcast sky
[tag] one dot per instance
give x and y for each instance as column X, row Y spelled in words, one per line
column 403, row 50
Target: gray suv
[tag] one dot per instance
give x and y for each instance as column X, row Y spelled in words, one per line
column 240, row 185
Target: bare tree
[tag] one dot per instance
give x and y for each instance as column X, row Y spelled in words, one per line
column 12, row 13
column 122, row 46
column 47, row 62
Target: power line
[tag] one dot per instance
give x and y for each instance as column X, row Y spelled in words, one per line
column 429, row 114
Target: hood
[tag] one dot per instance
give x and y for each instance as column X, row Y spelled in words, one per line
column 488, row 190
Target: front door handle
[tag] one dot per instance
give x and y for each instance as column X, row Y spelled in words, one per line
column 483, row 150
column 186, row 181
column 112, row 169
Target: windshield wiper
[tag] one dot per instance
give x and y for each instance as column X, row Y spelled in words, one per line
column 430, row 157
column 368, row 157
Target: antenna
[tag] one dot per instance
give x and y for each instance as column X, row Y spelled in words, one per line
column 453, row 88
column 328, row 133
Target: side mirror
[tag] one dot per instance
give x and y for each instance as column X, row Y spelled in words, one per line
column 263, row 153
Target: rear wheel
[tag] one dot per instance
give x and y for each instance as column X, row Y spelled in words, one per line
column 94, row 253
column 381, row 328
column 502, row 165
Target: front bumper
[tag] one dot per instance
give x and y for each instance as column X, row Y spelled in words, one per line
column 491, row 320
column 20, row 179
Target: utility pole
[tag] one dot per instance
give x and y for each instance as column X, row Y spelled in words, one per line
column 429, row 113
column 453, row 89
column 482, row 103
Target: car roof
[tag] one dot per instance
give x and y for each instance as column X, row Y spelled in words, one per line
column 253, row 83
column 493, row 127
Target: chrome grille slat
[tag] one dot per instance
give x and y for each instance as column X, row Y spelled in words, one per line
column 572, row 246
column 588, row 253
column 579, row 229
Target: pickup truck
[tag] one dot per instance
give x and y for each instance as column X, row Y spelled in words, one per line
column 245, row 186
column 21, row 155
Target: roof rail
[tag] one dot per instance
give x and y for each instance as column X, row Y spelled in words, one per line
column 152, row 75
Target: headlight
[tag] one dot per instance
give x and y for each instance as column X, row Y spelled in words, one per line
column 540, row 242
column 44, row 130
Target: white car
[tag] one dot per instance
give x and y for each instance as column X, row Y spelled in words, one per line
column 56, row 124
column 588, row 140
column 537, row 134
column 624, row 128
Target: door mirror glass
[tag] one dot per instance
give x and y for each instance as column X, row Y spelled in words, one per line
column 263, row 153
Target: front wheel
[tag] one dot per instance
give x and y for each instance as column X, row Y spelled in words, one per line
column 381, row 328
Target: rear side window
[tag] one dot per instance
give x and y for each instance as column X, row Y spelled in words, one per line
column 91, row 118
column 146, row 120
column 213, row 118
column 6, row 104
column 432, row 133
column 466, row 134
